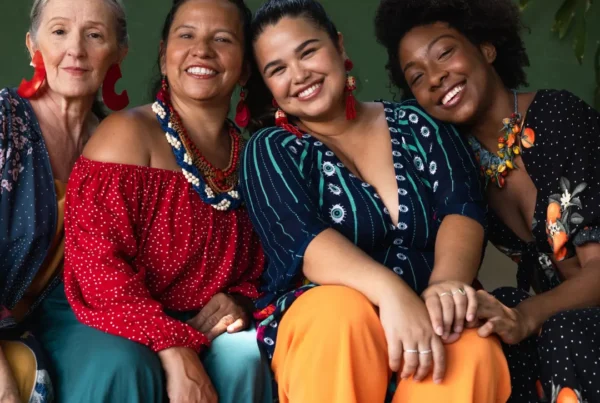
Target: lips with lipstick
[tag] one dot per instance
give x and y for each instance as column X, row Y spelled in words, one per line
column 453, row 95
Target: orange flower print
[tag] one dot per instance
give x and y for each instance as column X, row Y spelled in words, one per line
column 561, row 221
column 528, row 138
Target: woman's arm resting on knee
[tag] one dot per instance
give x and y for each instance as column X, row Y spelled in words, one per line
column 8, row 385
column 580, row 291
column 514, row 325
column 331, row 259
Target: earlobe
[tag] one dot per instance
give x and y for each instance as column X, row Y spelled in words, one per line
column 489, row 52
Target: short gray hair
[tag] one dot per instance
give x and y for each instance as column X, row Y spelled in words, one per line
column 119, row 11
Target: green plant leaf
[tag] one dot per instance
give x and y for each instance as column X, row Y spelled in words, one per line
column 563, row 18
column 579, row 40
column 523, row 4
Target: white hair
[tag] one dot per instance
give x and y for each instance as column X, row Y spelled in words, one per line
column 118, row 10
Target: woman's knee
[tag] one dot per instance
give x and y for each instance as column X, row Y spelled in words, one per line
column 472, row 347
column 343, row 306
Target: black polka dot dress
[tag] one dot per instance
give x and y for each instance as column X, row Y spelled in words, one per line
column 562, row 363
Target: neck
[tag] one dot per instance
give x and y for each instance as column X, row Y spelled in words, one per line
column 334, row 128
column 204, row 122
column 71, row 116
column 501, row 105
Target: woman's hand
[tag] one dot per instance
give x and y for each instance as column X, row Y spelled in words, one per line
column 187, row 381
column 409, row 335
column 223, row 313
column 450, row 303
column 508, row 323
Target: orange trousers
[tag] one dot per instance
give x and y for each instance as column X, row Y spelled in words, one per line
column 331, row 348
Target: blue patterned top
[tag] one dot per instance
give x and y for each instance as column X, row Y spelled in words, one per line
column 296, row 188
column 28, row 206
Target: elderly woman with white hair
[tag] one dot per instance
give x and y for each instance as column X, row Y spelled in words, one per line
column 76, row 47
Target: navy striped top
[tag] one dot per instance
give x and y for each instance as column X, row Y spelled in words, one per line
column 296, row 188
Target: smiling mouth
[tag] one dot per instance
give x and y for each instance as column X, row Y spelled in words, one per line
column 201, row 71
column 310, row 92
column 453, row 96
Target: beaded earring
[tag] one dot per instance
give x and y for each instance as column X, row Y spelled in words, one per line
column 350, row 87
column 242, row 112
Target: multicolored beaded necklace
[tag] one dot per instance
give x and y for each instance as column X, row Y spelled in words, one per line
column 217, row 187
column 495, row 168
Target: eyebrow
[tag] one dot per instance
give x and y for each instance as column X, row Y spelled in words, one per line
column 298, row 49
column 184, row 26
column 66, row 19
column 410, row 64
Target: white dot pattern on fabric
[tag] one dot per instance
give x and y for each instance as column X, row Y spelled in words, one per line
column 565, row 154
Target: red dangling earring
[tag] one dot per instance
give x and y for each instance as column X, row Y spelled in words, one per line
column 111, row 99
column 281, row 120
column 242, row 112
column 350, row 87
column 27, row 89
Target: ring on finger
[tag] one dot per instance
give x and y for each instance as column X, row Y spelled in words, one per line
column 411, row 351
column 425, row 352
column 446, row 293
column 460, row 291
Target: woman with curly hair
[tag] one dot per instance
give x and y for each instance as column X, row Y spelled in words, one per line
column 463, row 61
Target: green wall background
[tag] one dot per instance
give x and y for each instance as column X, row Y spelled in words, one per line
column 553, row 62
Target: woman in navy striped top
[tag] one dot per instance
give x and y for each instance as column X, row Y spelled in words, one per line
column 379, row 204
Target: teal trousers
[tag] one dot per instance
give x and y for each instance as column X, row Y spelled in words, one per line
column 91, row 366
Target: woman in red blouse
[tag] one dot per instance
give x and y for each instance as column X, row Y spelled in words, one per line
column 160, row 255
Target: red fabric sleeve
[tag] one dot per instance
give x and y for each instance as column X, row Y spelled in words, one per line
column 103, row 210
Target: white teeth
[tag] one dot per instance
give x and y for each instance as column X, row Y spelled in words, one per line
column 201, row 71
column 309, row 91
column 450, row 95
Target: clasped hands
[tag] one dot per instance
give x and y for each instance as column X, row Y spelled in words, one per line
column 454, row 306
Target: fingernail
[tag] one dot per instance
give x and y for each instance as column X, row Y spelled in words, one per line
column 458, row 329
column 470, row 318
column 439, row 330
column 416, row 380
column 437, row 381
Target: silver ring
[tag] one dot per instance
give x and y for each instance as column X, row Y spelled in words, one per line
column 446, row 293
column 460, row 291
column 411, row 351
column 425, row 352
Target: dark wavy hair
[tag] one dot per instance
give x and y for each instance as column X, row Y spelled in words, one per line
column 245, row 17
column 482, row 21
column 270, row 13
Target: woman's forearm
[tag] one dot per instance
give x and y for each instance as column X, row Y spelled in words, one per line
column 458, row 249
column 331, row 259
column 580, row 291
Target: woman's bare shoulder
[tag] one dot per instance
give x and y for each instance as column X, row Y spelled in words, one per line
column 125, row 137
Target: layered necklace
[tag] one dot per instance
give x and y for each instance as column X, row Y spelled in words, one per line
column 496, row 167
column 217, row 187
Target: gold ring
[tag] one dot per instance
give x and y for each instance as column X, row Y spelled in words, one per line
column 460, row 291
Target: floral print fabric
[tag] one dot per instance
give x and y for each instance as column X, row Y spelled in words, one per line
column 564, row 165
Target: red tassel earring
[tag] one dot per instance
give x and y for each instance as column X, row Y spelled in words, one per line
column 350, row 87
column 111, row 99
column 281, row 120
column 242, row 112
column 27, row 89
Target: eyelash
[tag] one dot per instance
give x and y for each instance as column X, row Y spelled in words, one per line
column 446, row 53
column 414, row 81
column 308, row 52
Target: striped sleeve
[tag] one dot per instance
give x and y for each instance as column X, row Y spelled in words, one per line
column 281, row 203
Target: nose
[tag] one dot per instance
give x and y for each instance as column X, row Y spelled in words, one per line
column 299, row 73
column 437, row 76
column 203, row 50
column 76, row 45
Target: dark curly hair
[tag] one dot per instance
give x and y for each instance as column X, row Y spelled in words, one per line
column 270, row 13
column 482, row 21
column 245, row 17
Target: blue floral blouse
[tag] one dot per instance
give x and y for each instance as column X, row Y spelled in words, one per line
column 296, row 188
